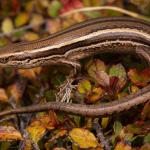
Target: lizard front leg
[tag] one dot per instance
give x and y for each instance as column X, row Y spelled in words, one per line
column 66, row 87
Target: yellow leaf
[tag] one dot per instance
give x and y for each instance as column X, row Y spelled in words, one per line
column 83, row 138
column 38, row 127
column 21, row 19
column 105, row 121
column 9, row 133
column 7, row 25
column 36, row 131
column 134, row 89
column 30, row 36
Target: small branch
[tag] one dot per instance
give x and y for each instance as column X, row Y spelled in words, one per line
column 100, row 135
column 8, row 119
column 121, row 10
column 27, row 27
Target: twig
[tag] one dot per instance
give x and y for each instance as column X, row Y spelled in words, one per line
column 8, row 119
column 100, row 135
column 27, row 27
column 118, row 9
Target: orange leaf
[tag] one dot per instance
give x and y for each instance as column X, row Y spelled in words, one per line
column 9, row 133
column 49, row 121
column 30, row 73
column 15, row 91
column 122, row 146
column 3, row 95
column 139, row 78
column 95, row 94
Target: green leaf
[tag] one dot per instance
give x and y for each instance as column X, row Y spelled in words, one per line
column 54, row 8
column 117, row 127
column 147, row 139
column 117, row 71
column 84, row 86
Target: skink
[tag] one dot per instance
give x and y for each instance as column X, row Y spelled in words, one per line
column 107, row 35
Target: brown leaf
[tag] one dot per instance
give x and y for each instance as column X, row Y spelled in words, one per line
column 9, row 133
column 146, row 111
column 61, row 133
column 53, row 26
column 84, row 138
column 145, row 147
column 36, row 20
column 96, row 70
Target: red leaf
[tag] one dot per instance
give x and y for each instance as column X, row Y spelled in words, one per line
column 15, row 5
column 70, row 4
